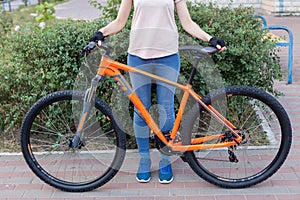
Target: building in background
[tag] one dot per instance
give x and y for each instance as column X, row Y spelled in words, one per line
column 276, row 7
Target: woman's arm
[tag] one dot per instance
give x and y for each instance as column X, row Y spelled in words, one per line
column 190, row 26
column 119, row 23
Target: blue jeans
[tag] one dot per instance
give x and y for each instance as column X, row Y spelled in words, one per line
column 167, row 67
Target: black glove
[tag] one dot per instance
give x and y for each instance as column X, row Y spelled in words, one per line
column 98, row 36
column 217, row 41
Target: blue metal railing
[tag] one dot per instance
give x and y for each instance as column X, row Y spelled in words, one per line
column 288, row 44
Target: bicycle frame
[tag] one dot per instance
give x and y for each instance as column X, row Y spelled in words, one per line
column 109, row 67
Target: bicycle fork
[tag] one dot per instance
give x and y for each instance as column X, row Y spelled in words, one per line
column 77, row 142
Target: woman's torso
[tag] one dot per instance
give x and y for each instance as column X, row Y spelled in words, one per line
column 153, row 31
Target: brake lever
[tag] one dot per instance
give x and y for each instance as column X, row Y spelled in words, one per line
column 88, row 48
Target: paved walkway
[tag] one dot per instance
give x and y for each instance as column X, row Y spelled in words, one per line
column 18, row 182
column 78, row 9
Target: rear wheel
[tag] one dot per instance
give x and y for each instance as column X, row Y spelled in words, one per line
column 260, row 119
column 46, row 137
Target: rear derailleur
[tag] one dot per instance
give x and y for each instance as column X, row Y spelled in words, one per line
column 229, row 138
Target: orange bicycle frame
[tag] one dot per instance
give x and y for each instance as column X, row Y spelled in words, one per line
column 109, row 67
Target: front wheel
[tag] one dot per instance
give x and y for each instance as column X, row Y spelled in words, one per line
column 46, row 140
column 259, row 118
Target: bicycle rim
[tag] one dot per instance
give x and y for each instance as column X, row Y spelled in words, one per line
column 264, row 125
column 48, row 130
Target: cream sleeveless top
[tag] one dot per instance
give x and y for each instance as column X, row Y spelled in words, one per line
column 153, row 32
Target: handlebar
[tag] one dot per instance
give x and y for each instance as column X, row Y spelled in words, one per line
column 92, row 45
column 108, row 49
column 200, row 50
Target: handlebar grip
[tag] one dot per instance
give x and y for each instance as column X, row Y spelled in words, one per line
column 90, row 46
column 93, row 45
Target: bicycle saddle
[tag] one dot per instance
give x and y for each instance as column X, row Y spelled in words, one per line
column 200, row 49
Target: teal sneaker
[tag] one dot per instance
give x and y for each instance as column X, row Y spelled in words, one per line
column 165, row 171
column 143, row 174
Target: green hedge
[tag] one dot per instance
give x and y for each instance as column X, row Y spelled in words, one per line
column 40, row 61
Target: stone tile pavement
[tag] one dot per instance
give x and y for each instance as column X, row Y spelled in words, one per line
column 18, row 182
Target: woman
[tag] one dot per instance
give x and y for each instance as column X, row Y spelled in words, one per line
column 154, row 47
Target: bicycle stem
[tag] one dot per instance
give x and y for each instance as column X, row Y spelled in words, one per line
column 87, row 105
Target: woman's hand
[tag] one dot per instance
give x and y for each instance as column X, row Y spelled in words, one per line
column 218, row 43
column 98, row 36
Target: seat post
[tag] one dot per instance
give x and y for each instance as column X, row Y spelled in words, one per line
column 193, row 72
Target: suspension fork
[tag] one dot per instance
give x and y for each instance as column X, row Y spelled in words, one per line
column 87, row 107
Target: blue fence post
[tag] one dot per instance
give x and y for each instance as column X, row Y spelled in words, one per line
column 290, row 45
column 262, row 18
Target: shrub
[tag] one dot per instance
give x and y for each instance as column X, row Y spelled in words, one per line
column 45, row 12
column 6, row 23
column 41, row 61
column 110, row 10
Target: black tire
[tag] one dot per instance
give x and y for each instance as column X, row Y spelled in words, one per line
column 47, row 130
column 265, row 125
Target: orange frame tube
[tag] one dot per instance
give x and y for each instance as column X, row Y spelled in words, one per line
column 111, row 68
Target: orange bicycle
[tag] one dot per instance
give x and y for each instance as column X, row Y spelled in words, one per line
column 233, row 137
